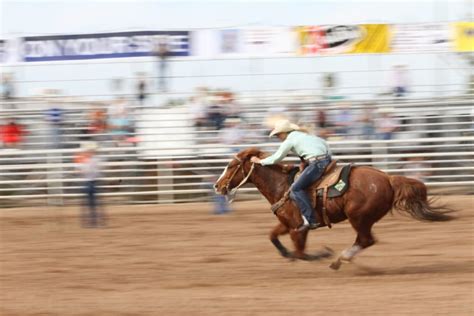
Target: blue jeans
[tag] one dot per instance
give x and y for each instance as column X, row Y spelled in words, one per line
column 92, row 217
column 298, row 190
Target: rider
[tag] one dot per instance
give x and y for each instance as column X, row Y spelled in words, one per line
column 316, row 154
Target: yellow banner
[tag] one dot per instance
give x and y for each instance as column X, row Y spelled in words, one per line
column 464, row 36
column 375, row 39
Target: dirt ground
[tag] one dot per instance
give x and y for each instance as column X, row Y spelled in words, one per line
column 183, row 260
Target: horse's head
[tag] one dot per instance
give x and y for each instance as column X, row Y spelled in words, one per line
column 237, row 172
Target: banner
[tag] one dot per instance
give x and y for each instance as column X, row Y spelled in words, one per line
column 230, row 41
column 464, row 36
column 340, row 39
column 375, row 39
column 426, row 37
column 268, row 41
column 104, row 45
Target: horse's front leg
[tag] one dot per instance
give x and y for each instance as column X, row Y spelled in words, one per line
column 279, row 230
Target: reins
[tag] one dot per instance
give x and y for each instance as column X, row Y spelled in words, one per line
column 233, row 192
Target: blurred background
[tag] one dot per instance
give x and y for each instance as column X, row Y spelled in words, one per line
column 167, row 91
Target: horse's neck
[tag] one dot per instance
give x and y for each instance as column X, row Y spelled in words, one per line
column 270, row 182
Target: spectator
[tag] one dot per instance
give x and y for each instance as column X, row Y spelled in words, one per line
column 141, row 90
column 367, row 123
column 198, row 112
column 386, row 124
column 119, row 127
column 399, row 81
column 232, row 134
column 55, row 118
column 217, row 112
column 344, row 120
column 98, row 124
column 328, row 85
column 221, row 205
column 7, row 91
column 89, row 167
column 162, row 53
column 12, row 134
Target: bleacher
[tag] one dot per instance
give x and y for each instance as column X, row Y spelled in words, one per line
column 173, row 162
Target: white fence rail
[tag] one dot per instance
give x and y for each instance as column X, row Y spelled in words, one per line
column 49, row 176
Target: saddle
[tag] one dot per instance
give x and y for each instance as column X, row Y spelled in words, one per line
column 333, row 183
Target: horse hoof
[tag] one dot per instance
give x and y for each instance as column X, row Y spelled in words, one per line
column 335, row 265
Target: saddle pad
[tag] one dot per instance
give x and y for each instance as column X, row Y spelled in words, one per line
column 341, row 186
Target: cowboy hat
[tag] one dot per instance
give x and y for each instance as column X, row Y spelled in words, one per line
column 283, row 126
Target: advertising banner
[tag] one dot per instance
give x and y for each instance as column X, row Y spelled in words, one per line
column 104, row 45
column 426, row 37
column 464, row 36
column 340, row 39
column 375, row 38
column 230, row 41
column 268, row 41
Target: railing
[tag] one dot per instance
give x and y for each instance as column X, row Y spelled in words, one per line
column 48, row 176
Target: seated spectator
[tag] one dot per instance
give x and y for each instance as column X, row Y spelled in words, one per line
column 216, row 112
column 386, row 124
column 98, row 124
column 198, row 112
column 232, row 134
column 12, row 134
column 343, row 120
column 367, row 123
column 119, row 127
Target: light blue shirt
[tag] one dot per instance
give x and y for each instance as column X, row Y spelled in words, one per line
column 302, row 144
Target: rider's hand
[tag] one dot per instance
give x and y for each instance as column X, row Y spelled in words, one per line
column 255, row 159
column 302, row 166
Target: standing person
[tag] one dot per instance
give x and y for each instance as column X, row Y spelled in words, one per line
column 141, row 90
column 54, row 115
column 89, row 168
column 400, row 81
column 162, row 53
column 8, row 91
column 316, row 155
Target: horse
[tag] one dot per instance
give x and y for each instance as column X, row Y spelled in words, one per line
column 371, row 194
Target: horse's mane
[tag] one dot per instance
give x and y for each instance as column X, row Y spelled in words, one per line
column 254, row 151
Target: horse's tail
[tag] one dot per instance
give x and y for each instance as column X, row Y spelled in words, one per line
column 410, row 196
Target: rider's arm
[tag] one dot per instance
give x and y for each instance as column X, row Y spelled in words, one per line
column 281, row 153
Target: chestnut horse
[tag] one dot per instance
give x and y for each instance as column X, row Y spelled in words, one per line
column 370, row 196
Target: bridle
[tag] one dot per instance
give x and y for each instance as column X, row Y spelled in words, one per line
column 231, row 194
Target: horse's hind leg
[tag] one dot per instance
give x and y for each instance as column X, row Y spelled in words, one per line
column 364, row 240
column 279, row 230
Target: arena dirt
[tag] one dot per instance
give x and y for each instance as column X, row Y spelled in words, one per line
column 183, row 260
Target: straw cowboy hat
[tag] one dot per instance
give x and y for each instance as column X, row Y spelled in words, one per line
column 283, row 126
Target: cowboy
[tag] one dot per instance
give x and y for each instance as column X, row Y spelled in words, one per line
column 311, row 149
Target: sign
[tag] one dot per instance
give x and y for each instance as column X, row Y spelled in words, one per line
column 104, row 45
column 375, row 39
column 339, row 39
column 327, row 39
column 464, row 36
column 426, row 37
column 230, row 41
